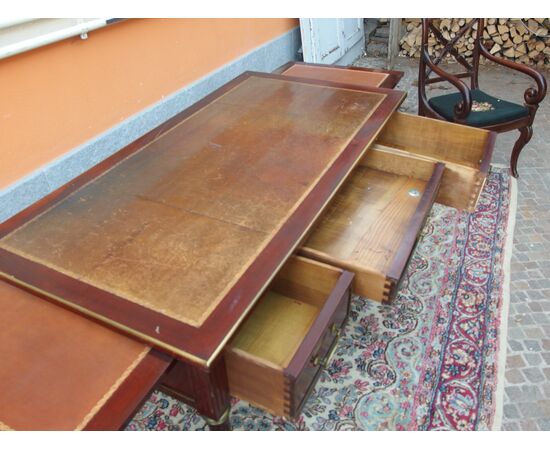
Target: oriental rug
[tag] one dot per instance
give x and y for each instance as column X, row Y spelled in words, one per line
column 432, row 360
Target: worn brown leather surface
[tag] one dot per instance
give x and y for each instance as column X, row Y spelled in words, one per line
column 174, row 226
column 56, row 367
column 358, row 77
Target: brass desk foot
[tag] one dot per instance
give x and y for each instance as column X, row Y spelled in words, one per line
column 222, row 424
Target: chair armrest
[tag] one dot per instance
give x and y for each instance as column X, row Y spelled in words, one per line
column 462, row 108
column 532, row 96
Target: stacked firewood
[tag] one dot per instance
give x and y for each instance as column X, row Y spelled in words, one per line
column 523, row 40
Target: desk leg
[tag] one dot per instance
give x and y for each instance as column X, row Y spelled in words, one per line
column 205, row 388
column 212, row 395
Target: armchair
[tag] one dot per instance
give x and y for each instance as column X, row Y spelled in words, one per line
column 471, row 105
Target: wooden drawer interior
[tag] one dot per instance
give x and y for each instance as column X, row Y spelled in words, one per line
column 372, row 224
column 282, row 332
column 465, row 151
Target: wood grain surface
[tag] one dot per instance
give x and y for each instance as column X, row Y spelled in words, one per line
column 271, row 360
column 173, row 241
column 368, row 218
column 275, row 328
column 372, row 224
column 465, row 151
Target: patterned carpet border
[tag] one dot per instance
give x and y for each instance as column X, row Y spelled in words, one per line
column 508, row 248
column 432, row 360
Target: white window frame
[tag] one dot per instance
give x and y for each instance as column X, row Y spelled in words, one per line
column 19, row 35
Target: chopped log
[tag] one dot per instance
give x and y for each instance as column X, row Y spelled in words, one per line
column 510, row 52
column 522, row 29
column 502, row 29
column 532, row 24
column 525, row 40
column 445, row 24
column 521, row 50
column 518, row 39
column 524, row 59
column 411, row 37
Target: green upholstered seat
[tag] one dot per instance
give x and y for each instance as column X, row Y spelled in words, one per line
column 502, row 111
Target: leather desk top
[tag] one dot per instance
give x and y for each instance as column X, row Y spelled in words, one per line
column 174, row 239
column 359, row 76
column 58, row 369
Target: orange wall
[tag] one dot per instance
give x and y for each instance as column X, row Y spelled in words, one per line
column 59, row 96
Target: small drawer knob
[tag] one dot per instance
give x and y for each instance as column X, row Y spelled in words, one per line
column 315, row 360
column 335, row 330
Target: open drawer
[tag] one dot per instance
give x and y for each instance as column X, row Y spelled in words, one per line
column 276, row 356
column 465, row 151
column 372, row 224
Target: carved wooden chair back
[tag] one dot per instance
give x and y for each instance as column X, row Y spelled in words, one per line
column 471, row 105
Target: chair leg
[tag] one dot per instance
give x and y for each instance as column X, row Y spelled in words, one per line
column 525, row 135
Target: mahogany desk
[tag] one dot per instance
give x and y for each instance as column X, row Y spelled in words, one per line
column 174, row 238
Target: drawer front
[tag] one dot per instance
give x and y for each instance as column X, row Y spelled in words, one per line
column 269, row 362
column 372, row 224
column 410, row 240
column 319, row 358
column 465, row 151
